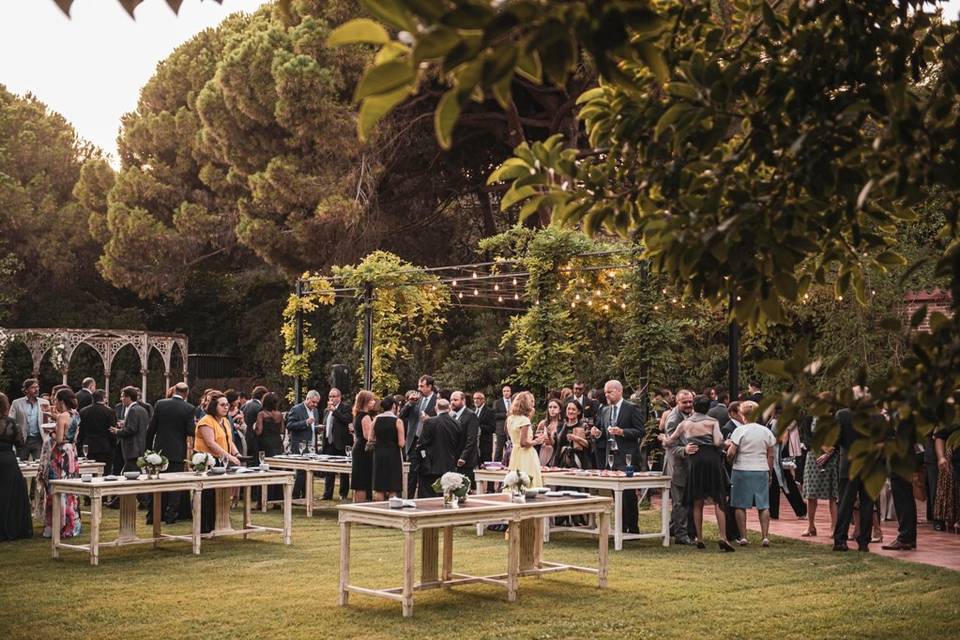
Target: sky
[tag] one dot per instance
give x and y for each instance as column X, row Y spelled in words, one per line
column 90, row 67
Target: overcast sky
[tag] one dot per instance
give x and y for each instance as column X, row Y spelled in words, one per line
column 90, row 67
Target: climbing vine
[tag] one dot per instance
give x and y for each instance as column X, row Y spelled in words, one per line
column 318, row 291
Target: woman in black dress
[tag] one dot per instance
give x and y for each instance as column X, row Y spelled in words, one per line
column 361, row 479
column 387, row 457
column 269, row 429
column 15, row 520
column 573, row 448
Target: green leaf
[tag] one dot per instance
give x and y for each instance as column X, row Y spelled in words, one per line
column 511, row 169
column 529, row 67
column 652, row 56
column 891, row 259
column 669, row 117
column 374, row 108
column 391, row 12
column 786, row 285
column 434, row 44
column 770, row 20
column 384, row 78
column 445, row 118
column 358, row 30
column 515, row 195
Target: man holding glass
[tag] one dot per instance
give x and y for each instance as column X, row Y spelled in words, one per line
column 617, row 435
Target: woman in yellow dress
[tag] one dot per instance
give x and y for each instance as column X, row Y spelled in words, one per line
column 524, row 456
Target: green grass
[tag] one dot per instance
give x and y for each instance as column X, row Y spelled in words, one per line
column 260, row 588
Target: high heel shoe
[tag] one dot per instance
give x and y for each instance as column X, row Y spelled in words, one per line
column 725, row 546
column 809, row 533
column 700, row 545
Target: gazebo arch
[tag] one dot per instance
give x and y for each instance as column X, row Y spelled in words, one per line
column 107, row 343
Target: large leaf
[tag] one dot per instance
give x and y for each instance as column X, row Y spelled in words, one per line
column 384, row 78
column 374, row 108
column 391, row 12
column 360, row 30
column 445, row 117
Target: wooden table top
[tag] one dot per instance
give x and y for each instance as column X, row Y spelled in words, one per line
column 170, row 482
column 335, row 463
column 570, row 478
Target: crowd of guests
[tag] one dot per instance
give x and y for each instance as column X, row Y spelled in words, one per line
column 715, row 450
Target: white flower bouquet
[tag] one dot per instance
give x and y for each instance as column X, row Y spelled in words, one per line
column 152, row 462
column 454, row 486
column 202, row 461
column 516, row 482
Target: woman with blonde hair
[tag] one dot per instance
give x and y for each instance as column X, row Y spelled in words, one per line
column 524, row 456
column 361, row 478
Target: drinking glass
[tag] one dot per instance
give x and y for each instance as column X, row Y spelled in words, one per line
column 629, row 459
column 301, row 446
column 86, row 451
column 349, row 454
column 610, row 460
column 262, row 455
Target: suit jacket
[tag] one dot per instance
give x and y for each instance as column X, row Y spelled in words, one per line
column 408, row 413
column 442, row 442
column 500, row 414
column 95, row 423
column 470, row 425
column 675, row 460
column 590, row 407
column 342, row 419
column 486, row 420
column 630, row 420
column 171, row 424
column 719, row 413
column 19, row 411
column 84, row 399
column 430, row 409
column 133, row 436
column 297, row 426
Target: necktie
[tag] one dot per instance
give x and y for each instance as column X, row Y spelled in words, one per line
column 479, row 411
column 330, row 426
column 616, row 414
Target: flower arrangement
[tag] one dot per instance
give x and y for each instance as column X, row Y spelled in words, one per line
column 455, row 487
column 152, row 462
column 58, row 357
column 202, row 461
column 516, row 482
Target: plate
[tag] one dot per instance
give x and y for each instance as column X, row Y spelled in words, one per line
column 110, row 478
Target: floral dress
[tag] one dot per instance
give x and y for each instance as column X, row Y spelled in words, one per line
column 59, row 462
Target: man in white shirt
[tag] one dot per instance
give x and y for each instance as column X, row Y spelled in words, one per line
column 751, row 450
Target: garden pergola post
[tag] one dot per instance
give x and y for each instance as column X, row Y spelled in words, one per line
column 298, row 342
column 733, row 346
column 368, row 336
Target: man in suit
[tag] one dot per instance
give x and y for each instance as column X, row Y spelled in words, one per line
column 501, row 409
column 675, row 466
column 851, row 488
column 409, row 416
column 425, row 407
column 588, row 405
column 904, row 504
column 621, row 430
column 250, row 410
column 131, row 432
column 302, row 420
column 26, row 412
column 96, row 423
column 85, row 395
column 488, row 426
column 171, row 433
column 337, row 420
column 754, row 393
column 441, row 443
column 470, row 425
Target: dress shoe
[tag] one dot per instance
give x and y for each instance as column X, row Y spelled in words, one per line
column 939, row 526
column 725, row 546
column 896, row 545
column 841, row 547
column 701, row 545
column 863, row 548
column 330, row 497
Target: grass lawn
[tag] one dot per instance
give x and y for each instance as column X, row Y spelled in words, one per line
column 260, row 588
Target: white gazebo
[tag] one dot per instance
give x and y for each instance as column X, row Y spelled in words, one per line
column 106, row 342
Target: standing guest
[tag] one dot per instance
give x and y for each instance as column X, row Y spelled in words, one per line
column 518, row 427
column 440, row 447
column 751, row 450
column 301, row 421
column 85, row 394
column 251, row 408
column 734, row 420
column 15, row 522
column 131, row 431
column 488, row 426
column 718, row 409
column 754, row 393
column 171, row 432
column 388, row 434
column 361, row 480
column 408, row 414
column 236, row 420
column 947, row 507
column 201, row 408
column 675, row 466
column 501, row 409
column 25, row 411
column 821, row 481
column 59, row 462
column 704, row 471
column 242, row 399
column 851, row 488
column 619, row 432
column 96, row 430
column 214, row 437
column 336, row 439
column 783, row 474
column 573, row 448
column 426, row 407
column 565, row 393
column 588, row 405
column 470, row 426
column 269, row 431
column 548, row 428
column 905, row 505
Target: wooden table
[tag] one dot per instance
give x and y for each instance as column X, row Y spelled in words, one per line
column 127, row 490
column 311, row 466
column 616, row 484
column 31, row 470
column 524, row 549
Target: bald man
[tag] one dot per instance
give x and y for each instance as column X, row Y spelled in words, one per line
column 620, row 430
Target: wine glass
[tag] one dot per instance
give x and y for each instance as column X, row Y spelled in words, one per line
column 262, row 455
column 629, row 459
column 86, row 451
column 610, row 460
column 301, row 446
column 349, row 454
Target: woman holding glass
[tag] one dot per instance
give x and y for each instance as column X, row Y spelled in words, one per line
column 213, row 436
column 547, row 431
column 573, row 447
column 58, row 461
column 524, row 456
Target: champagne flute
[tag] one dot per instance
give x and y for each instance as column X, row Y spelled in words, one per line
column 86, row 451
column 262, row 455
column 610, row 459
column 629, row 459
column 301, row 446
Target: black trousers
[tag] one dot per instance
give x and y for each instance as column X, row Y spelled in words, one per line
column 175, row 505
column 733, row 529
column 796, row 500
column 850, row 490
column 426, row 487
column 330, row 478
column 486, row 447
column 208, row 510
column 630, row 512
column 501, row 443
column 906, row 508
column 413, row 476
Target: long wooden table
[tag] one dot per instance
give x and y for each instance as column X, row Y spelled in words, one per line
column 430, row 517
column 616, row 484
column 312, row 466
column 127, row 490
column 31, row 470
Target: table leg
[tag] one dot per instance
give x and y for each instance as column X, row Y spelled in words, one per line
column 157, row 509
column 196, row 521
column 513, row 559
column 447, row 553
column 308, row 494
column 665, row 516
column 618, row 519
column 222, row 518
column 55, row 524
column 604, row 542
column 404, row 488
column 409, row 551
column 429, row 553
column 247, row 509
column 541, row 526
column 263, row 498
column 287, row 512
column 96, row 506
column 128, row 518
column 344, row 563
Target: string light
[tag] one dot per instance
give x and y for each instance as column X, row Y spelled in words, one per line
column 496, row 287
column 474, row 275
column 516, row 296
column 738, row 298
column 623, row 305
column 476, row 292
column 499, row 298
column 460, row 295
column 454, row 283
column 606, row 307
column 514, row 282
column 577, row 297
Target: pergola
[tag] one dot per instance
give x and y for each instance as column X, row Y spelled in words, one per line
column 107, row 343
